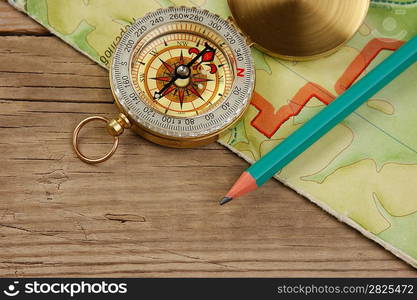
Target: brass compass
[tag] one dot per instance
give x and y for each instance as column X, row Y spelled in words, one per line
column 181, row 75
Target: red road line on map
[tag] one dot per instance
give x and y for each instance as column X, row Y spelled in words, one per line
column 363, row 60
column 268, row 120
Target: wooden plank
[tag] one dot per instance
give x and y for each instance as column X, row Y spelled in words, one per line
column 149, row 211
column 152, row 211
column 13, row 22
column 44, row 68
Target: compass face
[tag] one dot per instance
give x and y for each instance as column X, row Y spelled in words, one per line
column 204, row 84
column 182, row 72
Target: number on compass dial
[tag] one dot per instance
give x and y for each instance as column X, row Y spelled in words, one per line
column 182, row 74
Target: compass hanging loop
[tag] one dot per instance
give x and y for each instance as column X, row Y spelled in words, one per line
column 115, row 127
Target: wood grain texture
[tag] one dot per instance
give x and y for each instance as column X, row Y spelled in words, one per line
column 149, row 211
column 12, row 22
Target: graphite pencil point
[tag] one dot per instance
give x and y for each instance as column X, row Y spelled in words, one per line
column 225, row 200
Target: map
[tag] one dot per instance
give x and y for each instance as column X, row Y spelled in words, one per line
column 363, row 171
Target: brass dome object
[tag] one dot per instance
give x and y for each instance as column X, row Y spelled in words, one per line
column 299, row 29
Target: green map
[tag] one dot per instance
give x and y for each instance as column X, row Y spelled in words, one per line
column 363, row 172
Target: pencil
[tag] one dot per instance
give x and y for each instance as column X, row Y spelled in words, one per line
column 326, row 119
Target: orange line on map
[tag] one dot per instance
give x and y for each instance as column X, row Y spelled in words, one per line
column 363, row 60
column 268, row 120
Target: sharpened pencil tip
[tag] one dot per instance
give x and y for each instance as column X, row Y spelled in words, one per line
column 225, row 200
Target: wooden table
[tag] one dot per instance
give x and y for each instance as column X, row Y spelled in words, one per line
column 149, row 211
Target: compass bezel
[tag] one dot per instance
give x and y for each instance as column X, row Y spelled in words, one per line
column 224, row 116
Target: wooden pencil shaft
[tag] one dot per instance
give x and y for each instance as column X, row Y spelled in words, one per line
column 334, row 113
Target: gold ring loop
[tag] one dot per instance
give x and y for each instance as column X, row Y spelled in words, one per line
column 76, row 145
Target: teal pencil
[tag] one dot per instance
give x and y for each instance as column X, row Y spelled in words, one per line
column 320, row 124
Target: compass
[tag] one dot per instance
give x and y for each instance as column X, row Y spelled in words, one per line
column 180, row 76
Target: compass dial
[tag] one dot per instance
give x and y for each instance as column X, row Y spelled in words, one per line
column 198, row 88
column 182, row 73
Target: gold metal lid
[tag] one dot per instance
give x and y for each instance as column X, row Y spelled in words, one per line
column 299, row 29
